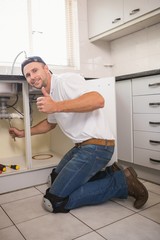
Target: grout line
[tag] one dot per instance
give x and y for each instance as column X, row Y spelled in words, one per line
column 28, row 220
column 134, row 213
column 81, row 221
column 20, row 199
column 81, row 235
column 12, row 223
column 140, row 213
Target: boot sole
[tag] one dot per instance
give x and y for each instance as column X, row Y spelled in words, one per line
column 145, row 198
column 134, row 174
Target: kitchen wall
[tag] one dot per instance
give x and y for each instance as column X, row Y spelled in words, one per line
column 136, row 52
column 93, row 56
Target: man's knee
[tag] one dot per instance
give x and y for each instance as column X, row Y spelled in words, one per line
column 52, row 177
column 55, row 204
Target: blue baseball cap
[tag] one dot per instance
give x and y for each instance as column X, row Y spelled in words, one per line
column 30, row 60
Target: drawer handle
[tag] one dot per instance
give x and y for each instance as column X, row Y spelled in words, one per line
column 154, row 123
column 116, row 20
column 154, row 104
column 154, row 160
column 153, row 141
column 154, row 84
column 134, row 11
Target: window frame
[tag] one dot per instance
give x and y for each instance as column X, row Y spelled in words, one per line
column 72, row 37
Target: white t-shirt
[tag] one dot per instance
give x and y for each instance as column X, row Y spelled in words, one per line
column 77, row 126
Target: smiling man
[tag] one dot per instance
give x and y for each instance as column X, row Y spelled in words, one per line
column 79, row 178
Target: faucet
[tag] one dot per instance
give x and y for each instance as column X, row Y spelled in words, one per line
column 16, row 59
column 3, row 100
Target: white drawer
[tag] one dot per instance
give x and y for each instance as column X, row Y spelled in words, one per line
column 147, row 158
column 146, row 122
column 146, row 85
column 147, row 140
column 146, row 104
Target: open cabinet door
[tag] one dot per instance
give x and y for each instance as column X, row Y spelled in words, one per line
column 106, row 87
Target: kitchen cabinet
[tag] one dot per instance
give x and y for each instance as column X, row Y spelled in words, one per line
column 138, row 123
column 137, row 8
column 103, row 15
column 146, row 121
column 124, row 120
column 108, row 20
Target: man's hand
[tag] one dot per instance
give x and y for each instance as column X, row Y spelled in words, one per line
column 85, row 103
column 15, row 132
column 46, row 104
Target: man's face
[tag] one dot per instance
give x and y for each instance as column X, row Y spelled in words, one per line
column 36, row 74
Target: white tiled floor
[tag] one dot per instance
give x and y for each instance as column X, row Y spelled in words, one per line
column 23, row 217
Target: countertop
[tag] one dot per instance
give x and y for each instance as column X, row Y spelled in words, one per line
column 19, row 78
column 6, row 77
column 137, row 75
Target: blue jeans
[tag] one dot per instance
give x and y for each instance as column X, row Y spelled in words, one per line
column 77, row 168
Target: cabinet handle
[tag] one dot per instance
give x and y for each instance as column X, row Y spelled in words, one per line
column 154, row 104
column 154, row 123
column 116, row 20
column 154, row 141
column 154, row 84
column 154, row 160
column 134, row 11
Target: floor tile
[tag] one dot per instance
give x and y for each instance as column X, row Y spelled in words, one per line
column 113, row 220
column 42, row 188
column 53, row 226
column 155, row 188
column 152, row 200
column 134, row 227
column 25, row 209
column 101, row 215
column 128, row 203
column 91, row 236
column 4, row 220
column 10, row 233
column 152, row 213
column 20, row 194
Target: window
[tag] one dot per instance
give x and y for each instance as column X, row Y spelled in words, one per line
column 38, row 27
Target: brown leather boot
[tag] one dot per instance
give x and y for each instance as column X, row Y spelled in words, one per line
column 116, row 167
column 135, row 188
